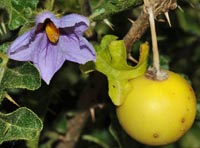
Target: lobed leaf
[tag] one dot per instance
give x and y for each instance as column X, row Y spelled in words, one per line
column 22, row 124
column 23, row 76
column 20, row 11
column 104, row 8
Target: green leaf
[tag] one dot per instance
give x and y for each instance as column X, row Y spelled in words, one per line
column 20, row 11
column 22, row 124
column 111, row 61
column 113, row 132
column 104, row 8
column 87, row 67
column 23, row 76
column 33, row 143
column 102, row 138
column 60, row 123
column 4, row 47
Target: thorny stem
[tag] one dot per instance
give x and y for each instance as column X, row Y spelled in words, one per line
column 137, row 29
column 140, row 25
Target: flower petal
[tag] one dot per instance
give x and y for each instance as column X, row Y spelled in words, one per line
column 40, row 19
column 79, row 51
column 19, row 49
column 48, row 61
column 85, row 45
column 79, row 22
column 38, row 45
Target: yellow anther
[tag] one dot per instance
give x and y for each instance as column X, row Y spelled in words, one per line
column 52, row 32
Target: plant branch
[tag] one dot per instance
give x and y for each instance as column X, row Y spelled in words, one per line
column 136, row 31
column 77, row 123
column 75, row 127
column 142, row 23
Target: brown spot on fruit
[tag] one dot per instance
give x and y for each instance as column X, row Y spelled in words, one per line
column 183, row 120
column 155, row 135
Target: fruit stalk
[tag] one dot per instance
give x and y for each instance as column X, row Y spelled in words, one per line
column 156, row 73
column 156, row 60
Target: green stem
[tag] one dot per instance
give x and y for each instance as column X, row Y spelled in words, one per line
column 3, row 64
column 3, row 59
column 52, row 4
column 33, row 143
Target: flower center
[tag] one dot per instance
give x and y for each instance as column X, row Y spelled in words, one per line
column 52, row 32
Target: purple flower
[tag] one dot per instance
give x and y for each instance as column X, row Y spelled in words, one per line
column 51, row 42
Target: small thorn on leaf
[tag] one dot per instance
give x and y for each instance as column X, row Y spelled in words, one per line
column 168, row 19
column 7, row 96
column 6, row 128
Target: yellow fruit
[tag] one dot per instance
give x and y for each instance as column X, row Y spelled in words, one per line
column 158, row 112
